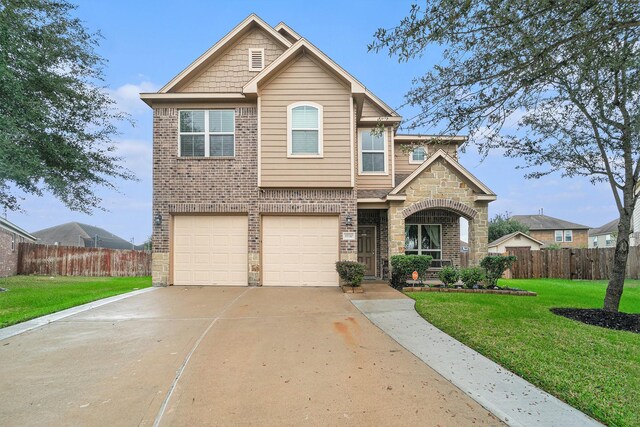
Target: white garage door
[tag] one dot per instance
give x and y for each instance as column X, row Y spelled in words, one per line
column 299, row 250
column 210, row 250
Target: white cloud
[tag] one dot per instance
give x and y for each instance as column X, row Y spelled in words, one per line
column 127, row 96
column 137, row 155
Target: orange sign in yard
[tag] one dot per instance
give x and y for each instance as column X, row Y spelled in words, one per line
column 414, row 275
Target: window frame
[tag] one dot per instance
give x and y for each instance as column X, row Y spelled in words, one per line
column 251, row 67
column 417, row 162
column 608, row 240
column 385, row 152
column 420, row 250
column 555, row 239
column 207, row 134
column 290, row 130
column 570, row 234
column 13, row 242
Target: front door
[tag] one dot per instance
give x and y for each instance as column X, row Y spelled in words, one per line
column 367, row 249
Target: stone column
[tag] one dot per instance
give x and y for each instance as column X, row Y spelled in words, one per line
column 479, row 234
column 396, row 230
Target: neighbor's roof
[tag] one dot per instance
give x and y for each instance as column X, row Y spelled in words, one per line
column 509, row 236
column 8, row 225
column 608, row 228
column 78, row 234
column 544, row 222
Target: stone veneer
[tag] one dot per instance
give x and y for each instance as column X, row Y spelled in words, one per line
column 439, row 187
column 229, row 185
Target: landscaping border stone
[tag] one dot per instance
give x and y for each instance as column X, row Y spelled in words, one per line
column 470, row 291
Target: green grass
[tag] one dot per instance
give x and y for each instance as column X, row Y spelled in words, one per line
column 593, row 369
column 34, row 296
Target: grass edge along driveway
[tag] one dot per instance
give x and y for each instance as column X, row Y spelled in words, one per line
column 29, row 297
column 595, row 370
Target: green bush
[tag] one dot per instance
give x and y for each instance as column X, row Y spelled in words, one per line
column 494, row 266
column 471, row 276
column 403, row 265
column 449, row 275
column 351, row 272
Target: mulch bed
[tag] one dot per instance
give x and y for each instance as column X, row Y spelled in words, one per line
column 605, row 319
column 518, row 292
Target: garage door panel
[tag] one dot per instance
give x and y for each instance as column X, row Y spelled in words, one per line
column 210, row 250
column 299, row 250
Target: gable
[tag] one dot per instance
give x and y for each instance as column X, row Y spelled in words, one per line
column 230, row 71
column 370, row 110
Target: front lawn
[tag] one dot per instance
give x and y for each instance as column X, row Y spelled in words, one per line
column 593, row 369
column 33, row 296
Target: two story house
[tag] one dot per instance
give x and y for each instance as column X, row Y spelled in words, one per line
column 555, row 231
column 271, row 162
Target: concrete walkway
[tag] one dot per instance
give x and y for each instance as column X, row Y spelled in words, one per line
column 223, row 356
column 509, row 397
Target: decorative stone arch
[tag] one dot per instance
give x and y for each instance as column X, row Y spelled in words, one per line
column 447, row 204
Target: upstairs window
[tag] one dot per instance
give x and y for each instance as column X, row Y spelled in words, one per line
column 256, row 59
column 304, row 133
column 373, row 152
column 207, row 133
column 418, row 155
column 608, row 241
column 558, row 235
column 568, row 235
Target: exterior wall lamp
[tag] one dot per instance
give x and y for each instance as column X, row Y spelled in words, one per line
column 348, row 220
column 157, row 219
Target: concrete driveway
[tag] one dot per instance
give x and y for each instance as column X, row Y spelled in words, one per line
column 223, row 356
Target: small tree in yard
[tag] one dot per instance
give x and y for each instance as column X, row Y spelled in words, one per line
column 570, row 69
column 56, row 122
column 449, row 275
column 501, row 225
column 494, row 266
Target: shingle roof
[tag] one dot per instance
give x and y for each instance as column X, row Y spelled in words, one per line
column 510, row 235
column 77, row 234
column 544, row 222
column 608, row 228
column 372, row 194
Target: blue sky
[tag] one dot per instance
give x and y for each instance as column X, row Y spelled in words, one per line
column 147, row 43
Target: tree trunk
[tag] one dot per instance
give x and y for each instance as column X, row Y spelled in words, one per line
column 619, row 268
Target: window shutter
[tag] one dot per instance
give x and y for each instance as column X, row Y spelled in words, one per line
column 256, row 59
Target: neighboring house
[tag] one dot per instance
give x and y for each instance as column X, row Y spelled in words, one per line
column 554, row 231
column 267, row 170
column 604, row 236
column 517, row 239
column 10, row 236
column 83, row 235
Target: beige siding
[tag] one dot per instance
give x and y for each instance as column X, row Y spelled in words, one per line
column 515, row 242
column 403, row 167
column 231, row 71
column 372, row 181
column 305, row 80
column 369, row 110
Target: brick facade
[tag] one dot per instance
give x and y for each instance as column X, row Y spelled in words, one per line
column 218, row 186
column 8, row 253
column 580, row 238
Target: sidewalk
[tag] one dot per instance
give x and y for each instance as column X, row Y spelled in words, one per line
column 507, row 396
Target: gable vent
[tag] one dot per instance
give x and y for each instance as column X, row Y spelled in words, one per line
column 256, row 59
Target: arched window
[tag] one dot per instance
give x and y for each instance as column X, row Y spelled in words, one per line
column 304, row 129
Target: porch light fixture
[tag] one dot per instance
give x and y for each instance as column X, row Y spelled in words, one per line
column 348, row 220
column 157, row 220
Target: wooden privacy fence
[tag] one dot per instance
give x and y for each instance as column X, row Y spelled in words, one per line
column 78, row 261
column 584, row 264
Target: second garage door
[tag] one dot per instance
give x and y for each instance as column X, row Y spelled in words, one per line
column 210, row 250
column 300, row 250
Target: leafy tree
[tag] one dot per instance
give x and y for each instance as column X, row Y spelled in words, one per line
column 501, row 225
column 56, row 122
column 569, row 69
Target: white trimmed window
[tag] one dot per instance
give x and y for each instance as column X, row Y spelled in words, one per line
column 608, row 241
column 13, row 242
column 568, row 235
column 423, row 239
column 558, row 235
column 418, row 155
column 207, row 133
column 373, row 152
column 304, row 129
column 256, row 59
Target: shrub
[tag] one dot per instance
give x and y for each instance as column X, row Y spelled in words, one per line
column 449, row 275
column 494, row 266
column 404, row 265
column 351, row 272
column 471, row 276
